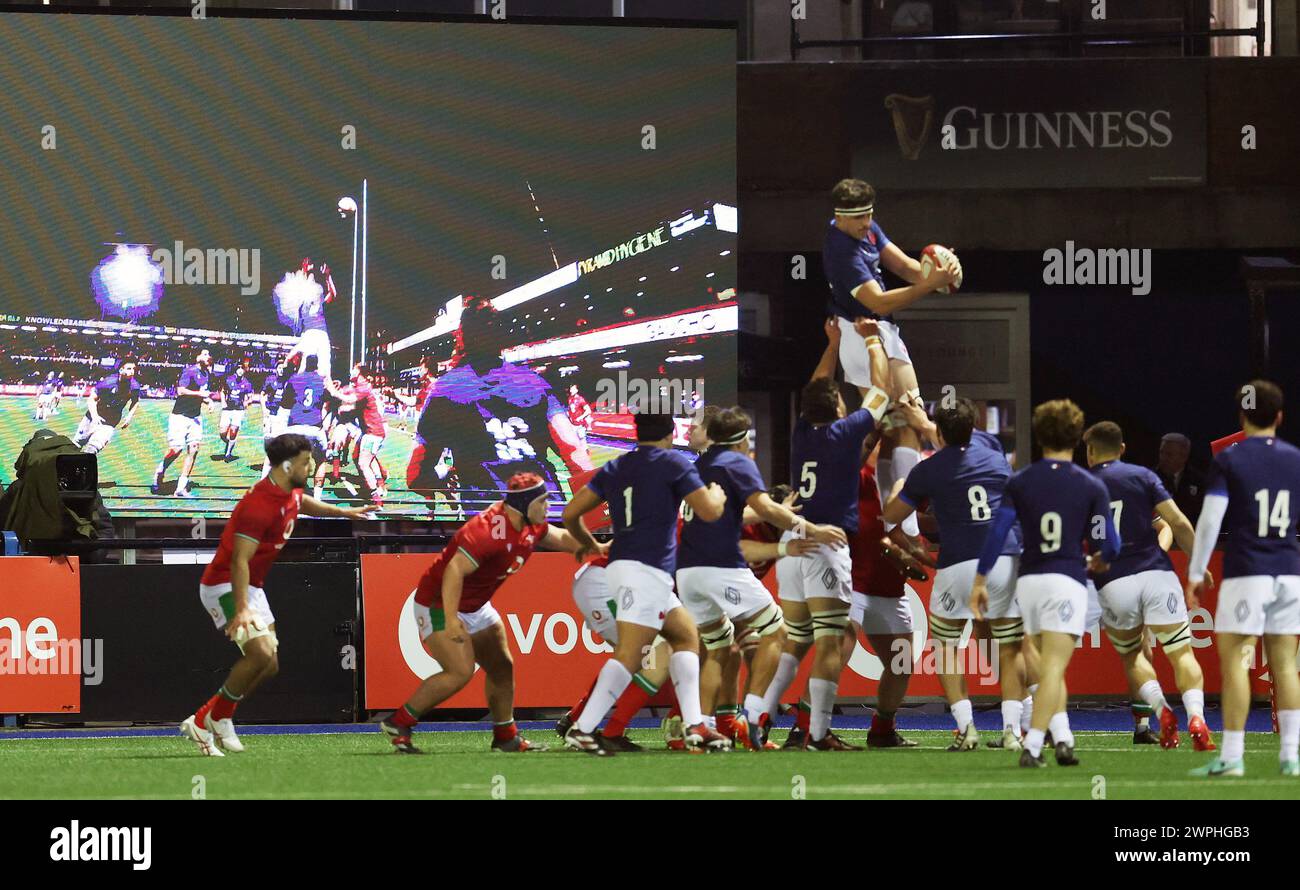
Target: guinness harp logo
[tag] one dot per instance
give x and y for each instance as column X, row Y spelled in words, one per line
column 912, row 120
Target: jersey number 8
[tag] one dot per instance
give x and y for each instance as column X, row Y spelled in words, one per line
column 979, row 503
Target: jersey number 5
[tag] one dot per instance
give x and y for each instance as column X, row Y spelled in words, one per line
column 808, row 480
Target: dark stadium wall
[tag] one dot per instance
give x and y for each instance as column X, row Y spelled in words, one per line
column 163, row 658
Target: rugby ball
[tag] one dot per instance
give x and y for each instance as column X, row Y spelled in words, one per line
column 944, row 258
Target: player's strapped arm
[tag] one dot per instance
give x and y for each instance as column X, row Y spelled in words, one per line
column 312, row 507
column 876, row 401
column 768, row 510
column 573, row 451
column 453, row 584
column 762, row 551
column 583, row 503
column 1165, row 534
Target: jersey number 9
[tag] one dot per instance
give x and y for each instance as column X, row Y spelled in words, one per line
column 1050, row 529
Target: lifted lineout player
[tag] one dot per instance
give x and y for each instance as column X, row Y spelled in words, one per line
column 185, row 423
column 644, row 489
column 499, row 418
column 825, row 456
column 964, row 482
column 1141, row 590
column 1251, row 491
column 308, row 320
column 459, row 625
column 852, row 254
column 1058, row 504
column 108, row 399
column 231, row 588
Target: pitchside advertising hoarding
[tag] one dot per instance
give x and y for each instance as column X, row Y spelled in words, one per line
column 557, row 656
column 41, row 648
column 1115, row 124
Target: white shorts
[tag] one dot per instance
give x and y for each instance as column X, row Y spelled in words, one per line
column 825, row 573
column 950, row 595
column 219, row 603
column 370, row 443
column 477, row 621
column 709, row 593
column 184, row 432
column 93, row 437
column 853, row 350
column 232, row 418
column 881, row 614
column 274, row 424
column 344, row 431
column 591, row 596
column 1259, row 604
column 315, row 342
column 313, row 433
column 642, row 594
column 1052, row 602
column 1153, row 598
column 1092, row 618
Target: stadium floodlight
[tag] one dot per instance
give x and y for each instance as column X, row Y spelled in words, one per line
column 128, row 283
column 348, row 205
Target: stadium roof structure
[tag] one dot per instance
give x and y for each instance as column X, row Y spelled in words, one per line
column 142, row 332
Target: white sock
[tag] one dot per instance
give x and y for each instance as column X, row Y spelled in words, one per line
column 1288, row 724
column 1059, row 727
column 684, row 668
column 1011, row 711
column 755, row 708
column 1234, row 744
column 903, row 461
column 1027, row 714
column 182, row 483
column 711, row 722
column 786, row 669
column 1194, row 702
column 610, row 683
column 821, row 695
column 961, row 712
column 1151, row 694
column 1034, row 742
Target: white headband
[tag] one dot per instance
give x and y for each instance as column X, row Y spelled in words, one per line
column 853, row 211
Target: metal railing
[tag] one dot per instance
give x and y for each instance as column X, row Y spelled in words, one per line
column 1074, row 40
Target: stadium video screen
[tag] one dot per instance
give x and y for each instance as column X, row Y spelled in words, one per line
column 445, row 252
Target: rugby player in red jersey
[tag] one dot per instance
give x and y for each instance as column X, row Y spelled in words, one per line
column 457, row 622
column 231, row 587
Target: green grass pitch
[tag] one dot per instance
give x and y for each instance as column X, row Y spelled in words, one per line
column 459, row 765
column 126, row 466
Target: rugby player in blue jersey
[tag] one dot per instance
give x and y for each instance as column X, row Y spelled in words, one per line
column 1141, row 590
column 1249, row 493
column 1059, row 505
column 644, row 489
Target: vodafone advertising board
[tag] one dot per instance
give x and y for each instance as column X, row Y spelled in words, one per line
column 40, row 636
column 557, row 655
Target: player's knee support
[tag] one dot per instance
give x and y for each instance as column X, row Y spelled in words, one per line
column 765, row 622
column 1178, row 638
column 1008, row 634
column 720, row 637
column 943, row 631
column 1122, row 646
column 245, row 636
column 799, row 631
column 830, row 623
